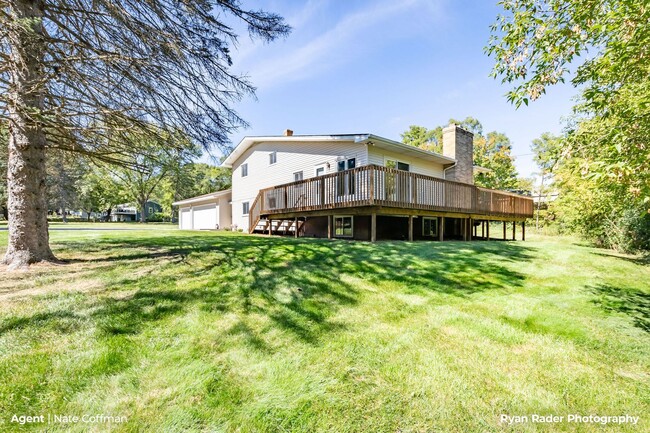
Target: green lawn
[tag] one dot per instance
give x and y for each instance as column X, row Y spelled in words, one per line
column 209, row 332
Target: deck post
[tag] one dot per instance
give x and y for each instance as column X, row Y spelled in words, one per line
column 514, row 229
column 487, row 229
column 270, row 226
column 373, row 227
column 470, row 223
column 504, row 230
column 483, row 229
column 410, row 228
column 463, row 228
column 523, row 230
column 441, row 229
column 329, row 226
column 295, row 227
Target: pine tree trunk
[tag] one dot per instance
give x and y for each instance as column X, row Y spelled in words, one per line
column 28, row 233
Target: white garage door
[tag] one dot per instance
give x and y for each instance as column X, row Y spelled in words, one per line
column 186, row 221
column 205, row 217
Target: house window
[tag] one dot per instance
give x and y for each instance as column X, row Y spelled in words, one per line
column 150, row 210
column 430, row 227
column 244, row 170
column 398, row 165
column 343, row 226
column 297, row 176
column 273, row 157
column 245, row 208
column 319, row 170
column 345, row 181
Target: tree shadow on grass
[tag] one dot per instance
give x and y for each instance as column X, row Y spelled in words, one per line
column 632, row 302
column 641, row 259
column 297, row 284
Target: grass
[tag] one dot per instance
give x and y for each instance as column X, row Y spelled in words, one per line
column 206, row 331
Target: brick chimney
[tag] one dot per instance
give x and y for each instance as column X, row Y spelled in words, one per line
column 459, row 144
column 288, row 132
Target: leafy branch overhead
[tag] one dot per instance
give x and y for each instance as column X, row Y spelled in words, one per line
column 121, row 65
column 603, row 46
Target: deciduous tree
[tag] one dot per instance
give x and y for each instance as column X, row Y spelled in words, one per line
column 427, row 139
column 492, row 151
column 603, row 47
column 141, row 174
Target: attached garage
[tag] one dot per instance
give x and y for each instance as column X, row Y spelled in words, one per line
column 205, row 217
column 206, row 212
column 185, row 218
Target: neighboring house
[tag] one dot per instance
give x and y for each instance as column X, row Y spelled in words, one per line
column 360, row 186
column 129, row 212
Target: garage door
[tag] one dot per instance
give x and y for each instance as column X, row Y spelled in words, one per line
column 205, row 217
column 186, row 221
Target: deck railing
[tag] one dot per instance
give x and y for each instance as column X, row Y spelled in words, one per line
column 373, row 185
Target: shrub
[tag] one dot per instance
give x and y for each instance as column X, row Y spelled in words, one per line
column 628, row 232
column 157, row 217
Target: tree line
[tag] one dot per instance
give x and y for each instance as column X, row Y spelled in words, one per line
column 75, row 182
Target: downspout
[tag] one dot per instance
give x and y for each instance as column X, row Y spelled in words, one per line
column 444, row 171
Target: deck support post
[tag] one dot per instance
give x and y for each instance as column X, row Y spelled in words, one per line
column 514, row 230
column 295, row 227
column 463, row 228
column 523, row 230
column 373, row 227
column 487, row 226
column 483, row 229
column 410, row 228
column 441, row 229
column 329, row 226
column 504, row 230
column 470, row 225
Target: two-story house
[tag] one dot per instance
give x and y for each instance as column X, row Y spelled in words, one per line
column 358, row 186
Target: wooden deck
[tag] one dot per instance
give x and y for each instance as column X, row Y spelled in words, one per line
column 376, row 186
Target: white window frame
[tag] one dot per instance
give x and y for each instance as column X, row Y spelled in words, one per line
column 323, row 166
column 435, row 233
column 248, row 206
column 351, row 235
column 396, row 161
column 273, row 158
column 244, row 170
column 302, row 176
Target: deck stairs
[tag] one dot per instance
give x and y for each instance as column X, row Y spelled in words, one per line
column 278, row 226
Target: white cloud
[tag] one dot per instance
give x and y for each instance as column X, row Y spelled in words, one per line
column 322, row 52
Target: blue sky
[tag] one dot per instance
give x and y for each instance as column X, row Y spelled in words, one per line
column 380, row 66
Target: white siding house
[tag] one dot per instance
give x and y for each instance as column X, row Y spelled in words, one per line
column 358, row 186
column 262, row 162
